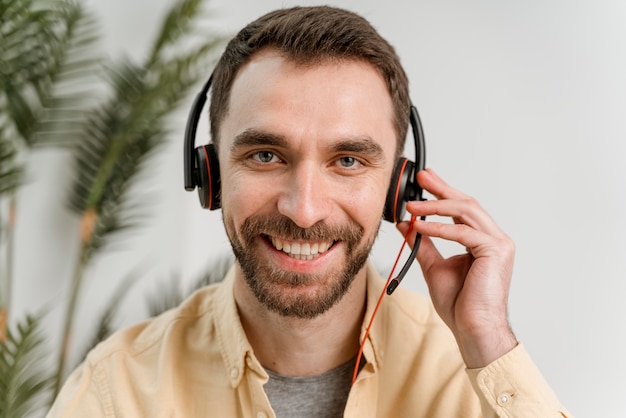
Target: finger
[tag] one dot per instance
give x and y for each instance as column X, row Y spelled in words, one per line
column 443, row 287
column 433, row 184
column 453, row 203
column 474, row 240
column 467, row 211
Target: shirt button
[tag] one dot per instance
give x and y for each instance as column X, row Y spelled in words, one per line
column 504, row 399
column 234, row 373
column 261, row 415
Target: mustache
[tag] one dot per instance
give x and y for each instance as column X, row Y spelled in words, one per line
column 282, row 227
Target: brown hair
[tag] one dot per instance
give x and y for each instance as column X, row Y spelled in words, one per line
column 308, row 36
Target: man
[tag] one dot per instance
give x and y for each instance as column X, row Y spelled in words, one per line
column 309, row 112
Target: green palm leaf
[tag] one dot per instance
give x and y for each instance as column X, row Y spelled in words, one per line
column 26, row 36
column 124, row 132
column 178, row 23
column 66, row 92
column 46, row 70
column 10, row 173
column 47, row 66
column 24, row 378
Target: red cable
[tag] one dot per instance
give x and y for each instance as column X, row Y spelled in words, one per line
column 380, row 299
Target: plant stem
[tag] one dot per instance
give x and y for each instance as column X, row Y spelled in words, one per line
column 3, row 286
column 3, row 325
column 69, row 322
column 10, row 251
column 87, row 227
column 6, row 288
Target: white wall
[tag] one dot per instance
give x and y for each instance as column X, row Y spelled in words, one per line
column 523, row 105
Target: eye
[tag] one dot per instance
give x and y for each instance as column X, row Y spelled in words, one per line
column 348, row 162
column 265, row 157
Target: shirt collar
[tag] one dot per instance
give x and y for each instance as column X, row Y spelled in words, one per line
column 373, row 349
column 237, row 351
column 234, row 346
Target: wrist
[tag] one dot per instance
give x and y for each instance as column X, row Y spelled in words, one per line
column 480, row 349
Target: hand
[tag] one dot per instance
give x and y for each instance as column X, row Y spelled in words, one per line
column 470, row 290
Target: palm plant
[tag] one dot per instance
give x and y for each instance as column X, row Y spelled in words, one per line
column 10, row 172
column 44, row 77
column 24, row 380
column 122, row 133
column 47, row 69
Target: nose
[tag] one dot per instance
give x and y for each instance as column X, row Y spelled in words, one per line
column 305, row 198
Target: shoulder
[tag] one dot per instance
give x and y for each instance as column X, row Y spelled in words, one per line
column 141, row 363
column 138, row 339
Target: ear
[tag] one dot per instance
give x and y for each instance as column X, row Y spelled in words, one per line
column 209, row 183
column 400, row 190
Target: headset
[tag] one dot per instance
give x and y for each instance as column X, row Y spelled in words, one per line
column 201, row 167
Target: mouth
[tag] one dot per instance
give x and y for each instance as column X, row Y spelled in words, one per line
column 300, row 250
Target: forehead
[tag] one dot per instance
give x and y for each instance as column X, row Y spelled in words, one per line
column 321, row 100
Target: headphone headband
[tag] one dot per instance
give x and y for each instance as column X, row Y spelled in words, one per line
column 191, row 168
column 418, row 139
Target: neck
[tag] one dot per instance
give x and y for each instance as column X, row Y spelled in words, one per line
column 303, row 347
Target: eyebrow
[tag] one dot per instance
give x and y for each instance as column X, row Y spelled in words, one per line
column 254, row 137
column 363, row 145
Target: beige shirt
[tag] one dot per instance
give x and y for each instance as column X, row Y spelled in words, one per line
column 195, row 361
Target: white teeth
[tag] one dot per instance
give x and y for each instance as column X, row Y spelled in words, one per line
column 301, row 251
column 324, row 246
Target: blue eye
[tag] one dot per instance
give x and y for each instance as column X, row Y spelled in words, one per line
column 264, row 156
column 348, row 162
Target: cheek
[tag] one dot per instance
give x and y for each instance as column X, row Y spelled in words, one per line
column 366, row 204
column 238, row 200
column 245, row 195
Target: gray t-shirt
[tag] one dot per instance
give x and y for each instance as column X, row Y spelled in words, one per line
column 321, row 396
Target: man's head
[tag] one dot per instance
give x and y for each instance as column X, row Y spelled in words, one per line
column 309, row 36
column 305, row 111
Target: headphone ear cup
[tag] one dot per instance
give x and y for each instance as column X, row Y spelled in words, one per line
column 395, row 202
column 208, row 177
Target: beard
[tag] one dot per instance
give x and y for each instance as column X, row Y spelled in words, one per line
column 267, row 281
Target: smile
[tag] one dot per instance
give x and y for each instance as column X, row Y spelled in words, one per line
column 300, row 250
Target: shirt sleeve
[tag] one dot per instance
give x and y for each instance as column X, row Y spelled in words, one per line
column 81, row 396
column 512, row 386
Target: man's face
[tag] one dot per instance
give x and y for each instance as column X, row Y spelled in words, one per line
column 306, row 154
